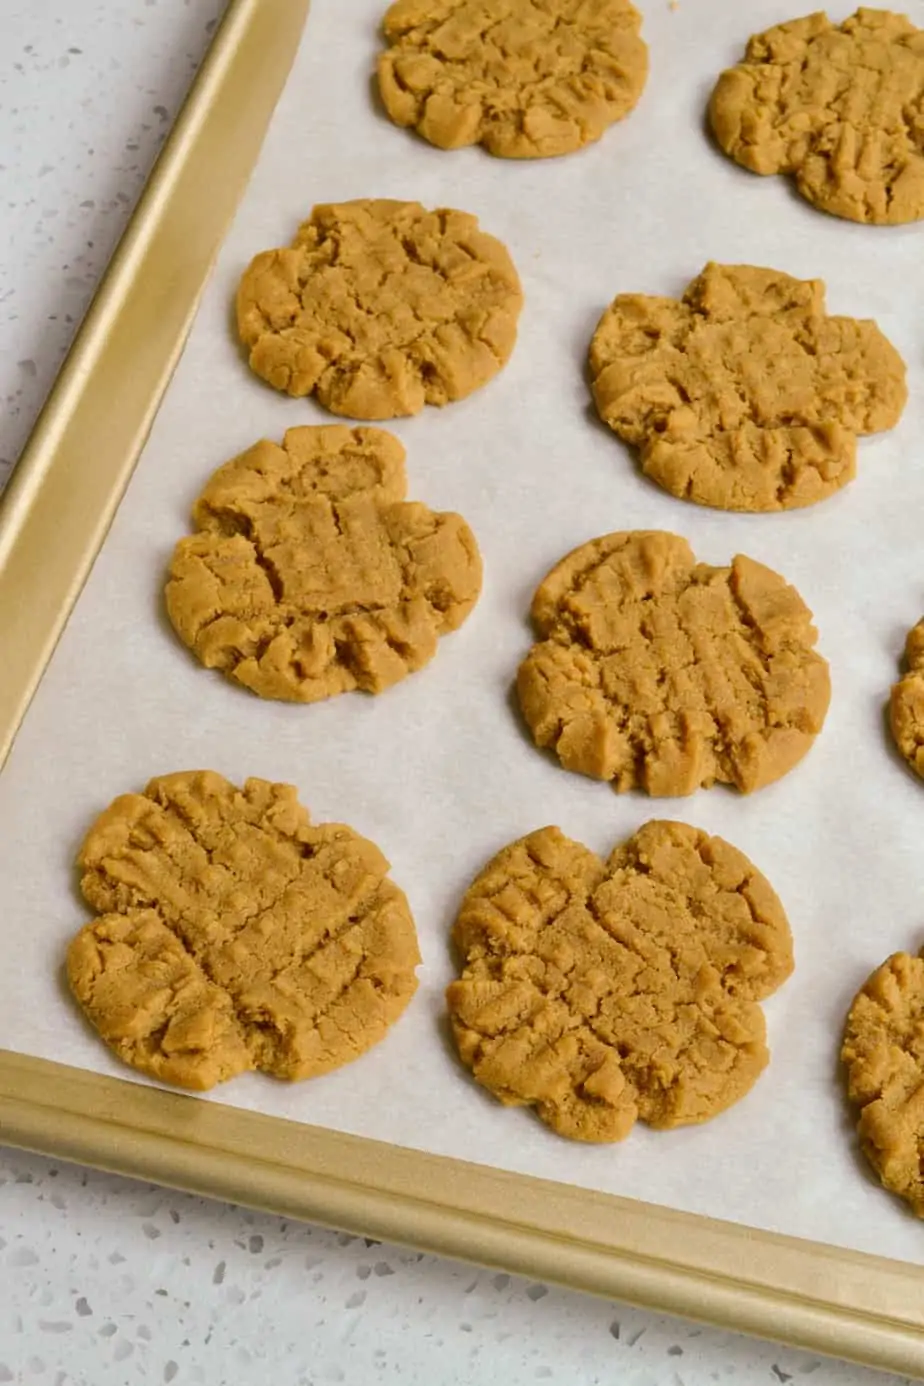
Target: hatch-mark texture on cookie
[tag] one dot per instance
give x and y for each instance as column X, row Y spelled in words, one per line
column 655, row 672
column 527, row 79
column 744, row 394
column 310, row 575
column 906, row 704
column 883, row 1050
column 380, row 307
column 600, row 993
column 839, row 106
column 235, row 935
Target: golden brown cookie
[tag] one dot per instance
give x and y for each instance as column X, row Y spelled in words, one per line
column 659, row 673
column 234, row 935
column 744, row 394
column 839, row 106
column 906, row 705
column 883, row 1050
column 602, row 992
column 525, row 78
column 310, row 575
column 379, row 308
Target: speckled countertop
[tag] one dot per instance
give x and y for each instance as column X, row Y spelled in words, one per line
column 104, row 1281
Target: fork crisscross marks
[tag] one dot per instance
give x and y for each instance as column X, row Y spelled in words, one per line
column 525, row 78
column 380, row 307
column 744, row 394
column 883, row 1051
column 600, row 993
column 310, row 575
column 840, row 106
column 234, row 934
column 657, row 672
column 906, row 702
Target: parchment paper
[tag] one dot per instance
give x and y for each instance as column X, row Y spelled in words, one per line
column 439, row 771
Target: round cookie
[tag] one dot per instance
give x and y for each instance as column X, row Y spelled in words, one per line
column 659, row 673
column 525, row 78
column 744, row 394
column 381, row 307
column 604, row 992
column 310, row 575
column 883, row 1051
column 906, row 704
column 234, row 935
column 839, row 106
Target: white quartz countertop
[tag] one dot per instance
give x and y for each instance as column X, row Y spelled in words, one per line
column 106, row 1281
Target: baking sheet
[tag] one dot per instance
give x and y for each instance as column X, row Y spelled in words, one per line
column 439, row 771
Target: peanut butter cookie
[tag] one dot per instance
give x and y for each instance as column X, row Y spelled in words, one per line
column 744, row 394
column 906, row 705
column 234, row 935
column 659, row 673
column 310, row 575
column 379, row 308
column 883, row 1050
column 604, row 992
column 525, row 78
column 839, row 106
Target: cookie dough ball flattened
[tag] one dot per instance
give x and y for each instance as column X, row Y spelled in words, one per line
column 659, row 673
column 525, row 78
column 599, row 993
column 906, row 705
column 744, row 394
column 234, row 935
column 883, row 1051
column 840, row 106
column 380, row 307
column 309, row 575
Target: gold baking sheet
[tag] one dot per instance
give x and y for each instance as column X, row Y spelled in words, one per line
column 549, row 1217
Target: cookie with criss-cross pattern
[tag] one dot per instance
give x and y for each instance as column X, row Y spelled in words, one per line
column 655, row 672
column 525, row 78
column 311, row 575
column 883, row 1050
column 906, row 704
column 235, row 935
column 839, row 106
column 600, row 993
column 381, row 307
column 744, row 394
